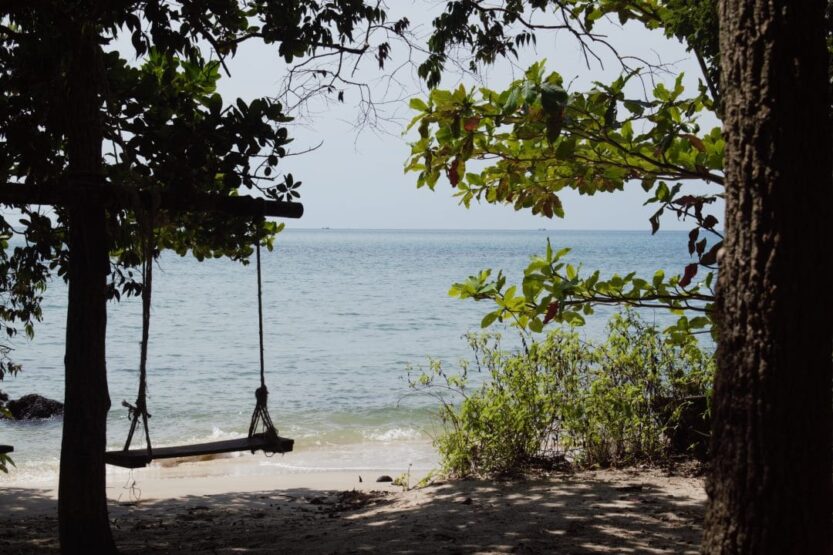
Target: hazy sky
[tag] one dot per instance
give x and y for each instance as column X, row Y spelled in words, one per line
column 356, row 180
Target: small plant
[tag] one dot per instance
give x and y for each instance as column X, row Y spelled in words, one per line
column 427, row 480
column 596, row 404
column 403, row 480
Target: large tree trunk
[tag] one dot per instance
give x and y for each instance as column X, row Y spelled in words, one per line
column 82, row 502
column 770, row 487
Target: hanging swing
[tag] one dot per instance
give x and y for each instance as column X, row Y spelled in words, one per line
column 263, row 436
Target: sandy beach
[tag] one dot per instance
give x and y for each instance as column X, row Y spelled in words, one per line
column 233, row 505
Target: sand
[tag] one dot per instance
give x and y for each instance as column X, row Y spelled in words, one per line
column 233, row 506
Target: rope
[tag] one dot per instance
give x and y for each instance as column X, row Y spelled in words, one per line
column 260, row 316
column 260, row 415
column 139, row 410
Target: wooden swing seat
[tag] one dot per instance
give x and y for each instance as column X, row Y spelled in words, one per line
column 138, row 458
column 6, row 449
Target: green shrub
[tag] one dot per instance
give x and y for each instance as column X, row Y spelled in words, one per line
column 595, row 404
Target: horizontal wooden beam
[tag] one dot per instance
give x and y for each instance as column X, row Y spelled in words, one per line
column 123, row 197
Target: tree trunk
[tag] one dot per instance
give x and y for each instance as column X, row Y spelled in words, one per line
column 770, row 488
column 82, row 502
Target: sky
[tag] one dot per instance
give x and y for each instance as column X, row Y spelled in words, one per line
column 355, row 179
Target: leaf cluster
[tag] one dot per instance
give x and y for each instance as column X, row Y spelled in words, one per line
column 536, row 139
column 554, row 290
column 530, row 142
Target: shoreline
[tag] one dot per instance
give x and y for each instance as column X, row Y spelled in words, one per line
column 218, row 475
column 368, row 457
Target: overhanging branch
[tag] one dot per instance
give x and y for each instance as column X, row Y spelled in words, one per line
column 124, row 197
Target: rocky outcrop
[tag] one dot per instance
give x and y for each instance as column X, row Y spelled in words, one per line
column 32, row 406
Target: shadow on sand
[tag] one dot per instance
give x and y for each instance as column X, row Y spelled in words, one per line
column 565, row 514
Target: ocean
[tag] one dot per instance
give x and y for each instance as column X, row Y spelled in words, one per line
column 346, row 313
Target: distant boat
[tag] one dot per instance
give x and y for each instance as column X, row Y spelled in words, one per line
column 325, row 228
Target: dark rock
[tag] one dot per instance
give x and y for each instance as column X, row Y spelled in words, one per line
column 384, row 478
column 34, row 406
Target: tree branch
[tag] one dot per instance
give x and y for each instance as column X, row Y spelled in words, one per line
column 124, row 197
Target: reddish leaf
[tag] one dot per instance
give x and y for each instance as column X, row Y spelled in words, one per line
column 685, row 200
column 696, row 142
column 552, row 310
column 690, row 272
column 453, row 172
column 470, row 124
column 710, row 257
column 701, row 246
column 692, row 238
column 655, row 220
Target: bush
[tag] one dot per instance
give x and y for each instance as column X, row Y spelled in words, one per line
column 614, row 403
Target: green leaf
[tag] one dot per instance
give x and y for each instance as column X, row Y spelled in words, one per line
column 512, row 102
column 489, row 319
column 536, row 325
column 659, row 277
column 215, row 104
column 565, row 149
column 553, row 98
column 418, row 104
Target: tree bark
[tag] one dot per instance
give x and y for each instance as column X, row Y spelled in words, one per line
column 84, row 525
column 770, row 488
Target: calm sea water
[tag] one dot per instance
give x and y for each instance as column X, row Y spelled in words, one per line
column 345, row 313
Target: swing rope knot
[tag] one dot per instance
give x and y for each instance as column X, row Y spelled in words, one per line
column 133, row 411
column 262, row 396
column 142, row 407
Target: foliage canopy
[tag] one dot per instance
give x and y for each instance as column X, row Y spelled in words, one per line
column 524, row 145
column 166, row 128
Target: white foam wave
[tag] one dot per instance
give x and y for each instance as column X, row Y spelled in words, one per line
column 43, row 473
column 218, row 433
column 394, row 434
